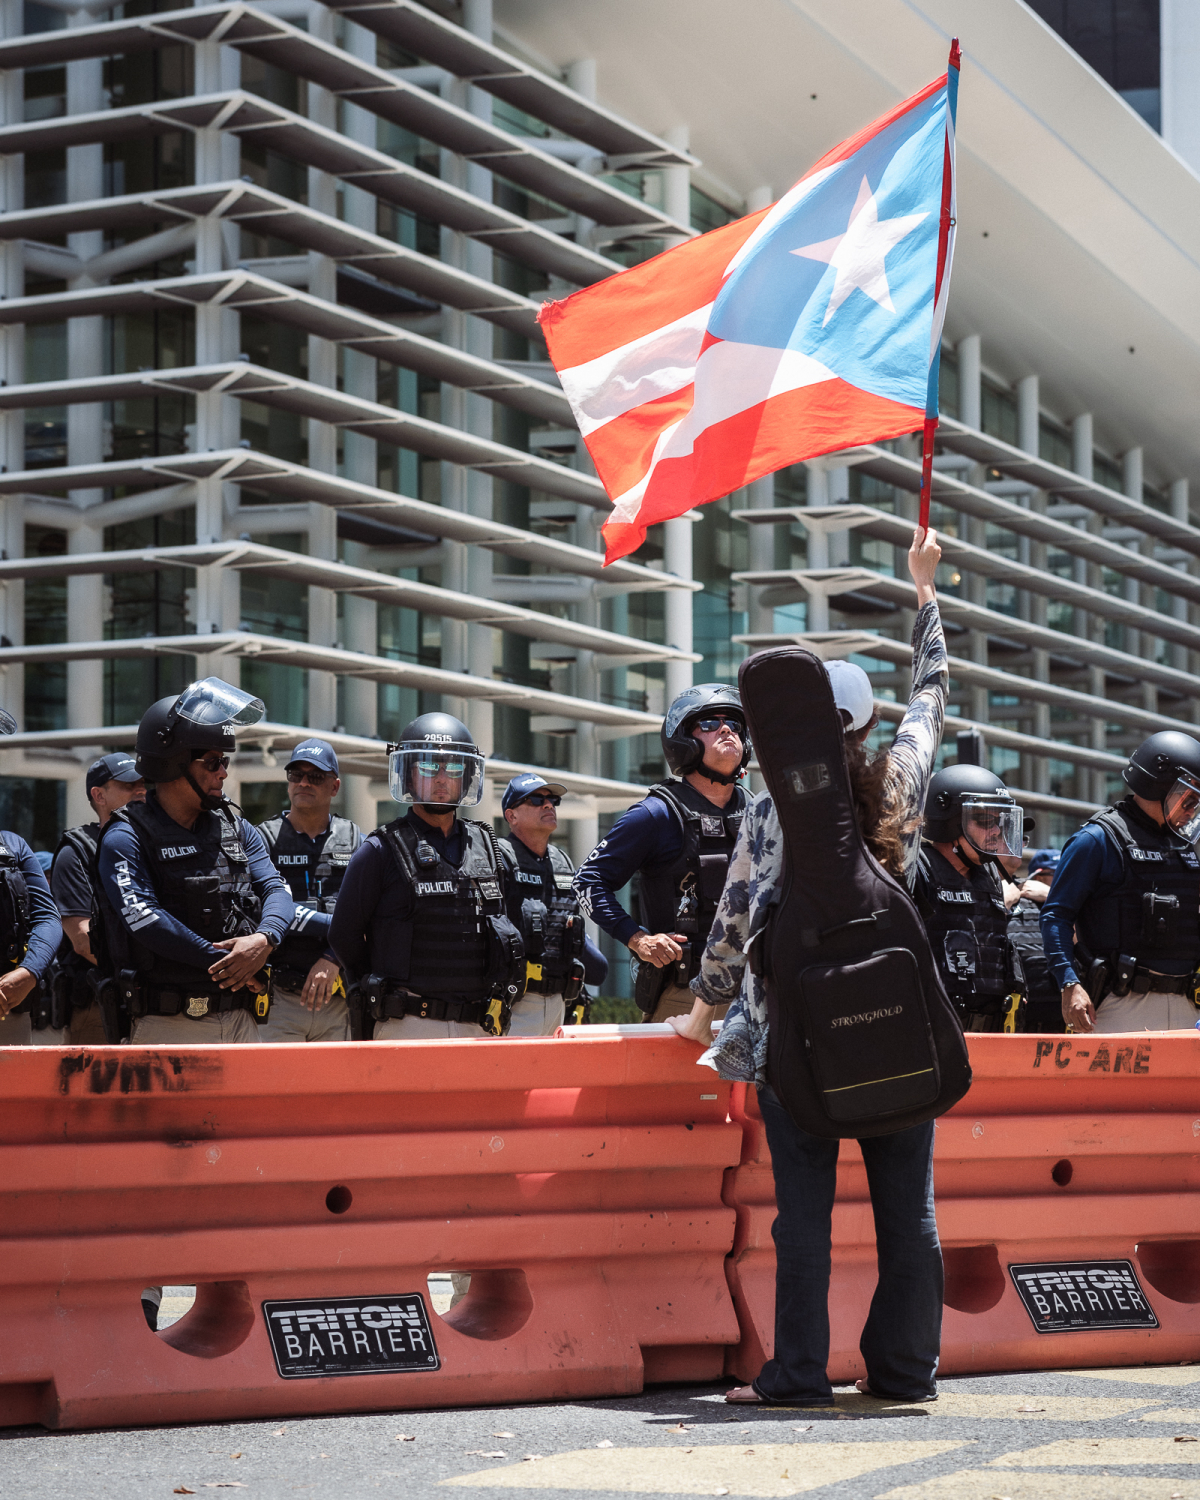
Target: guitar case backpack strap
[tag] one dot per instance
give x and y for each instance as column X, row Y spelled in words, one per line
column 863, row 1039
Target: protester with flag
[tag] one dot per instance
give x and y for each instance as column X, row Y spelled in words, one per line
column 794, row 332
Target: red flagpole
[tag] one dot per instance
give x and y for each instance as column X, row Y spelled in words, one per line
column 931, row 423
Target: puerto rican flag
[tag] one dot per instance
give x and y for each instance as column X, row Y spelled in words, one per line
column 807, row 327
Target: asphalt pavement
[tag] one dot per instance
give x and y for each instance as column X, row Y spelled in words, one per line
column 1131, row 1434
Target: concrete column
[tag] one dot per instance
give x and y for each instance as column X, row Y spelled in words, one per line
column 1035, row 554
column 970, row 381
column 85, row 428
column 677, row 181
column 1132, row 485
column 677, row 603
column 1181, row 511
column 12, row 370
column 816, row 615
column 1088, row 625
column 1027, row 414
column 1179, row 42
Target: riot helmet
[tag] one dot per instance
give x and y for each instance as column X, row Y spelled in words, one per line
column 1166, row 769
column 205, row 716
column 436, row 764
column 8, row 725
column 972, row 803
column 683, row 750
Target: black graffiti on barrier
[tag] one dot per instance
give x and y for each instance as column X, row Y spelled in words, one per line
column 139, row 1073
column 1097, row 1057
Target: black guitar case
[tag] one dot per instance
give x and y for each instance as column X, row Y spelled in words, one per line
column 863, row 1039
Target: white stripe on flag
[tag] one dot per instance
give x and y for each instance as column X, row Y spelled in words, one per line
column 657, row 364
column 730, row 378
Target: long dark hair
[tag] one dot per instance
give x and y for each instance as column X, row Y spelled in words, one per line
column 881, row 819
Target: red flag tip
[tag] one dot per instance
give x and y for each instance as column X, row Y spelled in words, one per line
column 955, row 54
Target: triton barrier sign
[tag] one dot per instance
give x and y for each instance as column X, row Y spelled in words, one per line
column 350, row 1336
column 1083, row 1295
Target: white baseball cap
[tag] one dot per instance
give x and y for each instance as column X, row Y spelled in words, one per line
column 852, row 692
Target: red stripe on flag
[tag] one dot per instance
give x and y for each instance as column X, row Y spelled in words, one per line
column 622, row 449
column 784, row 430
column 868, row 132
column 630, row 305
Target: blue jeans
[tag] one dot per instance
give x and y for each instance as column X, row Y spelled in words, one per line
column 902, row 1338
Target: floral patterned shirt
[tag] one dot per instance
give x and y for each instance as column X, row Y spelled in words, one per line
column 755, row 871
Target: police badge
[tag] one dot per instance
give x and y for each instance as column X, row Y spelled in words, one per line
column 197, row 1005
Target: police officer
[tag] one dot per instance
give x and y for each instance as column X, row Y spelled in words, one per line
column 971, row 823
column 420, row 926
column 1043, row 1011
column 1128, row 891
column 191, row 907
column 311, row 848
column 111, row 782
column 30, row 931
column 545, row 910
column 679, row 842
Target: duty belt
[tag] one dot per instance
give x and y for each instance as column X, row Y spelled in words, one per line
column 288, row 979
column 1146, row 981
column 395, row 1005
column 194, row 1000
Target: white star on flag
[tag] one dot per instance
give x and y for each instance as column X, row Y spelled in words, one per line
column 858, row 255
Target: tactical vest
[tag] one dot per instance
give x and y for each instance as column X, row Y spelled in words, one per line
column 74, row 972
column 1152, row 917
column 201, row 877
column 1025, row 934
column 545, row 911
column 967, row 923
column 314, row 870
column 683, row 897
column 458, row 944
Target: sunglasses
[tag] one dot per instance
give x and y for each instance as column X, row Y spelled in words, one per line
column 714, row 721
column 213, row 763
column 441, row 767
column 314, row 778
column 539, row 799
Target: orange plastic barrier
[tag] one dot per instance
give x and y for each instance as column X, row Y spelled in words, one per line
column 1067, row 1152
column 579, row 1180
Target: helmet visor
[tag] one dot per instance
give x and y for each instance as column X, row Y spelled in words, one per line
column 8, row 725
column 1181, row 807
column 213, row 702
column 993, row 825
column 442, row 777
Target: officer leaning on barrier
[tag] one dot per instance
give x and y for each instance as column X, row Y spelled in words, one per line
column 1127, row 890
column 971, row 822
column 311, row 847
column 1043, row 1012
column 111, row 782
column 30, row 931
column 190, row 905
column 420, row 926
column 678, row 842
column 559, row 958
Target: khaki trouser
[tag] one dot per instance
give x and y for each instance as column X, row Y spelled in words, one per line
column 16, row 1031
column 223, row 1029
column 422, row 1029
column 86, row 1027
column 537, row 1015
column 291, row 1020
column 1151, row 1012
column 677, row 1000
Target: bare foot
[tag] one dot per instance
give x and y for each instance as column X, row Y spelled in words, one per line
column 743, row 1395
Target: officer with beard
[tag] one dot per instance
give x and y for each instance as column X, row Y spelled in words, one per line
column 420, row 926
column 191, row 906
column 111, row 782
column 679, row 842
column 559, row 958
column 311, row 848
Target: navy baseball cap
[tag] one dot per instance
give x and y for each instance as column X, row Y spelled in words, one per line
column 1044, row 859
column 529, row 781
column 115, row 767
column 315, row 753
